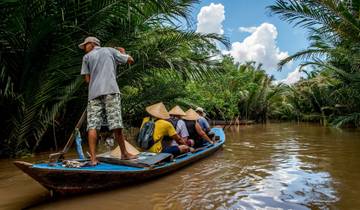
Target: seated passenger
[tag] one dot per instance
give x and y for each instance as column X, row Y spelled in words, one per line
column 162, row 130
column 175, row 118
column 195, row 131
column 204, row 123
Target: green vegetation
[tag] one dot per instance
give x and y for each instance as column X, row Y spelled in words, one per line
column 243, row 91
column 40, row 62
column 331, row 93
column 42, row 94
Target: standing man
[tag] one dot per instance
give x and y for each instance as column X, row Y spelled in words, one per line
column 99, row 68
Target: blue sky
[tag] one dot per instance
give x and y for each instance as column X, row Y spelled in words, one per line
column 253, row 13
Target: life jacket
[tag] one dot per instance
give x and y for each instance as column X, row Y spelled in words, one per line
column 145, row 138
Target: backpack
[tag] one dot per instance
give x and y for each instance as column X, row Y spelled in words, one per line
column 145, row 138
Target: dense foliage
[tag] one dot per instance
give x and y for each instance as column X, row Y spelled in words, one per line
column 41, row 92
column 331, row 93
column 244, row 92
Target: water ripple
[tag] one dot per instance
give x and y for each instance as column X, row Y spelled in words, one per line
column 269, row 173
column 279, row 166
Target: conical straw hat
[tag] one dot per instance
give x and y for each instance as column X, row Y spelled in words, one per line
column 177, row 111
column 158, row 110
column 191, row 115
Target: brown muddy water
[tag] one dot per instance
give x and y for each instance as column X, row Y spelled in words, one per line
column 274, row 166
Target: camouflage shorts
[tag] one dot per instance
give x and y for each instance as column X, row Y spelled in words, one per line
column 104, row 111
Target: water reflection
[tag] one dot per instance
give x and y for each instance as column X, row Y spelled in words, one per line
column 279, row 166
column 251, row 174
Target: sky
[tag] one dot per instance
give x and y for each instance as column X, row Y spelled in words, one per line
column 254, row 33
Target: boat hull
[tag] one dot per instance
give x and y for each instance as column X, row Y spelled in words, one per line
column 68, row 181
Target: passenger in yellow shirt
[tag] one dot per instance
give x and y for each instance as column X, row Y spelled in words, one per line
column 164, row 132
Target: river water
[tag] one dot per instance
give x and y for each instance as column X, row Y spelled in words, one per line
column 273, row 166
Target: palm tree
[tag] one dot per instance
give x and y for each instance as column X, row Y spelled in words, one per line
column 40, row 60
column 330, row 22
column 244, row 92
column 334, row 28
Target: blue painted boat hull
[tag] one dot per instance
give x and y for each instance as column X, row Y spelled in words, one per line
column 59, row 179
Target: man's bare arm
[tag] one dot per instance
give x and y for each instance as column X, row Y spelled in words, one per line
column 130, row 60
column 122, row 50
column 179, row 140
column 200, row 131
column 87, row 78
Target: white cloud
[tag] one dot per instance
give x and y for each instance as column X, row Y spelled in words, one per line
column 248, row 29
column 210, row 19
column 292, row 77
column 259, row 46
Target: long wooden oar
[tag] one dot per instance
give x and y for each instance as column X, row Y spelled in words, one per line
column 54, row 157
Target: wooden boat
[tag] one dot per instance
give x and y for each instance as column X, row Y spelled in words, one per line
column 62, row 180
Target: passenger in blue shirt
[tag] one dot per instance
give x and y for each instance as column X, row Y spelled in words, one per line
column 202, row 121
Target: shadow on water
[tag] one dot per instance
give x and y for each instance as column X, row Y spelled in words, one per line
column 274, row 166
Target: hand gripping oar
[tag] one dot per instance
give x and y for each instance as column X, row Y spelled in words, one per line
column 54, row 157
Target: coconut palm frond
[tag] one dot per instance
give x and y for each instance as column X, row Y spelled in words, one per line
column 41, row 61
